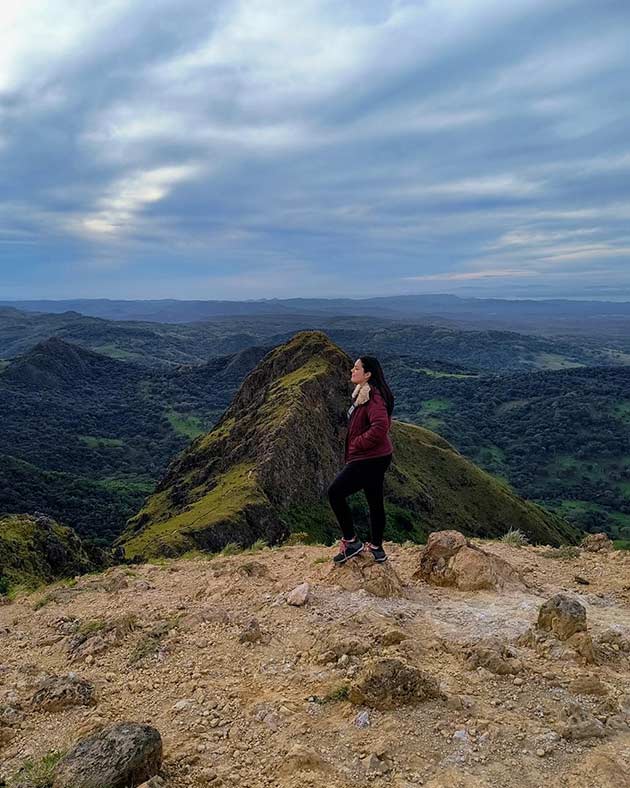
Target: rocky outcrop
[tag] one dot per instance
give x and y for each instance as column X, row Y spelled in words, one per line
column 60, row 692
column 561, row 620
column 449, row 559
column 563, row 615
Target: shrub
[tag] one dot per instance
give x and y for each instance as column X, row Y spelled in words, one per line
column 38, row 773
column 515, row 537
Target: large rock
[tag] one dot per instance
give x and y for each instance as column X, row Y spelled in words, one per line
column 59, row 692
column 119, row 756
column 563, row 615
column 449, row 559
column 390, row 683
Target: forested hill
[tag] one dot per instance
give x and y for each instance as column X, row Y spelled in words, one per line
column 84, row 436
column 560, row 437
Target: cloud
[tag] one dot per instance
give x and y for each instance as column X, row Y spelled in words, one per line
column 251, row 148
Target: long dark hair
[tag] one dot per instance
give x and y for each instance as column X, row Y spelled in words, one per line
column 377, row 380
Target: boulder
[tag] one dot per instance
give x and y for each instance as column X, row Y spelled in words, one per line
column 449, row 559
column 576, row 722
column 251, row 632
column 563, row 615
column 121, row 755
column 299, row 596
column 494, row 656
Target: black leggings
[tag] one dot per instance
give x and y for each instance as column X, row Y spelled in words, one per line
column 366, row 475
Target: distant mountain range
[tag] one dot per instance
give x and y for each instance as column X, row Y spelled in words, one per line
column 553, row 316
column 167, row 344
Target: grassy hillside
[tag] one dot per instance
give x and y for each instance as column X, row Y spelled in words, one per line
column 560, row 437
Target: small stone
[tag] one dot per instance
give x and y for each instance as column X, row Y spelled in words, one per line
column 299, row 596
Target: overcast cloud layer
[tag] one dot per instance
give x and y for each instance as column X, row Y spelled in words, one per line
column 186, row 149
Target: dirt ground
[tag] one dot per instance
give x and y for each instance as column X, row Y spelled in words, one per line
column 167, row 644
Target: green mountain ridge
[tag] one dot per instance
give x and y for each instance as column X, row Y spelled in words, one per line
column 264, row 469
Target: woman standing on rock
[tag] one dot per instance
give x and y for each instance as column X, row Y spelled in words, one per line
column 368, row 455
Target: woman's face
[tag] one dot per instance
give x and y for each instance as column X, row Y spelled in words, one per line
column 359, row 375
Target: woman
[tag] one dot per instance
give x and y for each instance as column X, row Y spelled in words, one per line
column 368, row 454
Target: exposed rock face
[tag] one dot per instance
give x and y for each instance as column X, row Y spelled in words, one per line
column 596, row 542
column 389, row 683
column 449, row 559
column 122, row 755
column 565, row 617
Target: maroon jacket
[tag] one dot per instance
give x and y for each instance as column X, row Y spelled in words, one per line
column 368, row 430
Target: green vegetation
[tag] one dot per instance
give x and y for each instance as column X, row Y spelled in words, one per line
column 555, row 361
column 338, row 694
column 160, row 528
column 37, row 773
column 559, row 438
column 515, row 538
column 95, row 442
column 454, row 493
column 189, row 426
column 35, row 551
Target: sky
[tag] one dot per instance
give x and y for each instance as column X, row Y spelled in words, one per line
column 245, row 149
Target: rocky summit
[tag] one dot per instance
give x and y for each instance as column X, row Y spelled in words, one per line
column 264, row 469
column 272, row 668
